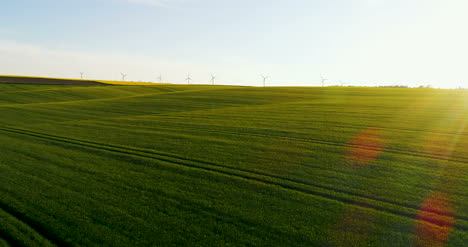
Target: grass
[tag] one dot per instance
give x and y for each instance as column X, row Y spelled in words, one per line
column 200, row 165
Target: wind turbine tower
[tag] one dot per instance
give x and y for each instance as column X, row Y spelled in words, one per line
column 160, row 78
column 323, row 81
column 188, row 79
column 213, row 79
column 264, row 80
column 81, row 73
column 123, row 76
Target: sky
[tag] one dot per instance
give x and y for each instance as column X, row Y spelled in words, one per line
column 295, row 42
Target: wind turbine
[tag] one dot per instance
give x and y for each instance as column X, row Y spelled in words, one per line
column 213, row 79
column 264, row 80
column 81, row 73
column 323, row 81
column 123, row 76
column 160, row 78
column 188, row 79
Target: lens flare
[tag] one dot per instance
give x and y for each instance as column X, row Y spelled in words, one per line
column 365, row 146
column 435, row 221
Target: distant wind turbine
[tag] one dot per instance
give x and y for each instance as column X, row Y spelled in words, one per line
column 160, row 78
column 264, row 80
column 213, row 79
column 81, row 74
column 323, row 81
column 188, row 79
column 123, row 76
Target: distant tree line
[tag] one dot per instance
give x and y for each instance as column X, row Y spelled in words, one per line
column 394, row 86
column 404, row 86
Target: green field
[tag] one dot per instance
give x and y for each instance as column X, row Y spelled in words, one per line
column 174, row 165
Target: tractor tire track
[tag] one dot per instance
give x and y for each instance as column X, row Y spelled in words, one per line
column 34, row 225
column 198, row 130
column 186, row 205
column 343, row 196
column 16, row 233
column 323, row 142
column 11, row 241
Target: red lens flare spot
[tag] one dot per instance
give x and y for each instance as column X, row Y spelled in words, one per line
column 435, row 221
column 365, row 146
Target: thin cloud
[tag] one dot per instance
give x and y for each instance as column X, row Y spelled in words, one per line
column 18, row 58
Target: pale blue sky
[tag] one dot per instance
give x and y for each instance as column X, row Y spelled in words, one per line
column 360, row 42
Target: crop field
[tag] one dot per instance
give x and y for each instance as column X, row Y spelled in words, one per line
column 194, row 165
